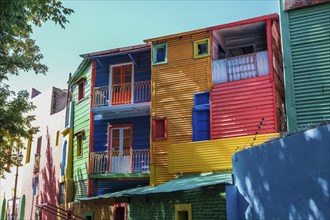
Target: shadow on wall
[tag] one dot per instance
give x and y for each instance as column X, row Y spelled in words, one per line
column 286, row 178
column 49, row 191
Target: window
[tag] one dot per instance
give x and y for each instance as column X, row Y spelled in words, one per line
column 120, row 211
column 80, row 138
column 57, row 138
column 201, row 48
column 159, row 130
column 89, row 215
column 159, row 54
column 81, row 86
column 61, row 193
column 28, row 149
column 183, row 212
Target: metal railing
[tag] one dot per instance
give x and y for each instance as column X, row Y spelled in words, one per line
column 120, row 161
column 120, row 94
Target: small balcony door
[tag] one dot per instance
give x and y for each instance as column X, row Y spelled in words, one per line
column 121, row 91
column 120, row 148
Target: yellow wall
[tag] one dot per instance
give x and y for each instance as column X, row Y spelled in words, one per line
column 173, row 88
column 213, row 155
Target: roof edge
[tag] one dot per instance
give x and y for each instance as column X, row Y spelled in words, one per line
column 231, row 24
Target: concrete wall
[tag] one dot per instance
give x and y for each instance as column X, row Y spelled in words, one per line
column 287, row 178
column 207, row 203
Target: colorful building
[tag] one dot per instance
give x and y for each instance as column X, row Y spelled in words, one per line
column 214, row 90
column 305, row 29
column 111, row 103
column 39, row 177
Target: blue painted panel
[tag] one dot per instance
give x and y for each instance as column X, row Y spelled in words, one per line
column 63, row 158
column 142, row 72
column 109, row 186
column 287, row 178
column 232, row 202
column 201, row 98
column 201, row 123
column 141, row 132
column 35, row 183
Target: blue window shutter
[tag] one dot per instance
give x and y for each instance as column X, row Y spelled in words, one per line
column 63, row 159
column 201, row 116
column 35, row 183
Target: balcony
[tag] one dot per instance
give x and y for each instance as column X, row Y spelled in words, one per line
column 240, row 67
column 120, row 162
column 122, row 100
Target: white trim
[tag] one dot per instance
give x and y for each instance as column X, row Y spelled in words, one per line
column 110, row 80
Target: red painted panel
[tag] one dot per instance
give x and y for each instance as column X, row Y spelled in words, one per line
column 238, row 108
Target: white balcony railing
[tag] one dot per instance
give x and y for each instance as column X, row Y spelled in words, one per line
column 240, row 67
column 125, row 161
column 120, row 94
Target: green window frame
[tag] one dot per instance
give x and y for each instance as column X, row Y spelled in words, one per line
column 155, row 50
column 199, row 48
column 89, row 215
column 182, row 211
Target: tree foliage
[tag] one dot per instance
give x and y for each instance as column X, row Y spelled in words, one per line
column 19, row 52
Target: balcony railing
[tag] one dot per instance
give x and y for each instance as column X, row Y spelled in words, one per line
column 125, row 161
column 240, row 67
column 36, row 165
column 120, row 94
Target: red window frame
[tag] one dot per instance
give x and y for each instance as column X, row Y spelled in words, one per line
column 81, row 88
column 156, row 123
column 120, row 205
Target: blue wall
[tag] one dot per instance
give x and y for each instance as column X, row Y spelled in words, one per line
column 141, row 73
column 141, row 132
column 287, row 178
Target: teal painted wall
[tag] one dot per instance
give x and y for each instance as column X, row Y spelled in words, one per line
column 81, row 122
column 207, row 203
column 306, row 53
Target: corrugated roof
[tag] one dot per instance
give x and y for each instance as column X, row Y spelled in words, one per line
column 183, row 183
column 231, row 24
column 116, row 51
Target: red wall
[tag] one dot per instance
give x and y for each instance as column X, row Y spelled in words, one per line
column 239, row 106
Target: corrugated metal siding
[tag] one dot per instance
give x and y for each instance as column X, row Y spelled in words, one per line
column 310, row 51
column 81, row 122
column 238, row 108
column 278, row 76
column 141, row 132
column 173, row 88
column 80, row 189
column 213, row 155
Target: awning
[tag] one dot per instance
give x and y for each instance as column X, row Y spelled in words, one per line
column 186, row 182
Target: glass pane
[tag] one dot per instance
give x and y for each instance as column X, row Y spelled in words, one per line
column 116, row 75
column 127, row 143
column 160, row 54
column 127, row 132
column 202, row 48
column 115, row 133
column 115, row 142
column 127, row 74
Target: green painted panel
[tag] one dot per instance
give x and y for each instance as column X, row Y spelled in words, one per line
column 81, row 122
column 115, row 176
column 22, row 208
column 3, row 209
column 307, row 65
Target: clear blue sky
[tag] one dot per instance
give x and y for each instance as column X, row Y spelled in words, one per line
column 102, row 25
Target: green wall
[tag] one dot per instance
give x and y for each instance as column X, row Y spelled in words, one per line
column 306, row 53
column 81, row 122
column 207, row 203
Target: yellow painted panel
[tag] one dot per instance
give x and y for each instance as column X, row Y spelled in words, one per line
column 173, row 87
column 213, row 155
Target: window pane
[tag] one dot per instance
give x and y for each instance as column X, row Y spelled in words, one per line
column 160, row 54
column 115, row 133
column 116, row 75
column 202, row 48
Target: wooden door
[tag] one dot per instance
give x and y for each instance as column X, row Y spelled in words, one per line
column 121, row 84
